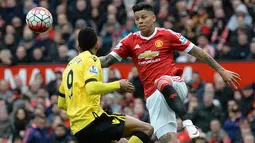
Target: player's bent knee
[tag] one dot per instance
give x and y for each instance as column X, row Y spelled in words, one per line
column 161, row 82
column 148, row 129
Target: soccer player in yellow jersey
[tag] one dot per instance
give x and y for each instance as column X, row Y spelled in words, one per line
column 79, row 95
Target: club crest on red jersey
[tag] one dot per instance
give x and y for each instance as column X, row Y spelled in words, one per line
column 159, row 43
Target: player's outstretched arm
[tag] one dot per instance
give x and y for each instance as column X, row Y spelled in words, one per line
column 94, row 87
column 205, row 57
column 230, row 77
column 107, row 60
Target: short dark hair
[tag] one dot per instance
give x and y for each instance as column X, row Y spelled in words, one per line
column 87, row 39
column 142, row 6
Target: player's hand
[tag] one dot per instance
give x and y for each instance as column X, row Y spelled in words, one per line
column 126, row 86
column 230, row 77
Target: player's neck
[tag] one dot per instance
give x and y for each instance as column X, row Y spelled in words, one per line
column 93, row 51
column 148, row 33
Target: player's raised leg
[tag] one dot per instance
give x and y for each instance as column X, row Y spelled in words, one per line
column 162, row 118
column 139, row 131
column 165, row 85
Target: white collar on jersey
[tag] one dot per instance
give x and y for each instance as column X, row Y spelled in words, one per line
column 148, row 38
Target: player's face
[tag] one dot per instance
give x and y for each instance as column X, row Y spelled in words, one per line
column 145, row 21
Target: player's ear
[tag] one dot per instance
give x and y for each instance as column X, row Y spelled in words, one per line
column 97, row 46
column 79, row 49
column 154, row 18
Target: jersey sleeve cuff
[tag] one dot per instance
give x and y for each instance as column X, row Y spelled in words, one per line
column 114, row 54
column 191, row 45
column 61, row 94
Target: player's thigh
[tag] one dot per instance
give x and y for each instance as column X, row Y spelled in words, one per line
column 162, row 117
column 133, row 125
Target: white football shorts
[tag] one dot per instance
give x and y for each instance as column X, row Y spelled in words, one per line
column 162, row 117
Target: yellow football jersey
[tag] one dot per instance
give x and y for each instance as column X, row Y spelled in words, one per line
column 81, row 108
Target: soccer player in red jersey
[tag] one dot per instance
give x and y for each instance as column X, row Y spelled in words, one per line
column 151, row 49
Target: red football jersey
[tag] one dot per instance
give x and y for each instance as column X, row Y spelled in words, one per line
column 153, row 55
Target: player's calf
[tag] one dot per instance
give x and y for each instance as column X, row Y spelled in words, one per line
column 165, row 86
column 143, row 135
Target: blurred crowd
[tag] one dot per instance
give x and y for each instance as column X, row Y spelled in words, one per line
column 223, row 28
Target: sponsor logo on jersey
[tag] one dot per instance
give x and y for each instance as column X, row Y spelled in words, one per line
column 115, row 121
column 93, row 70
column 137, row 46
column 159, row 43
column 149, row 61
column 148, row 54
column 183, row 40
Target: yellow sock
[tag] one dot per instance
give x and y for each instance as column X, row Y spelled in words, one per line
column 134, row 139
